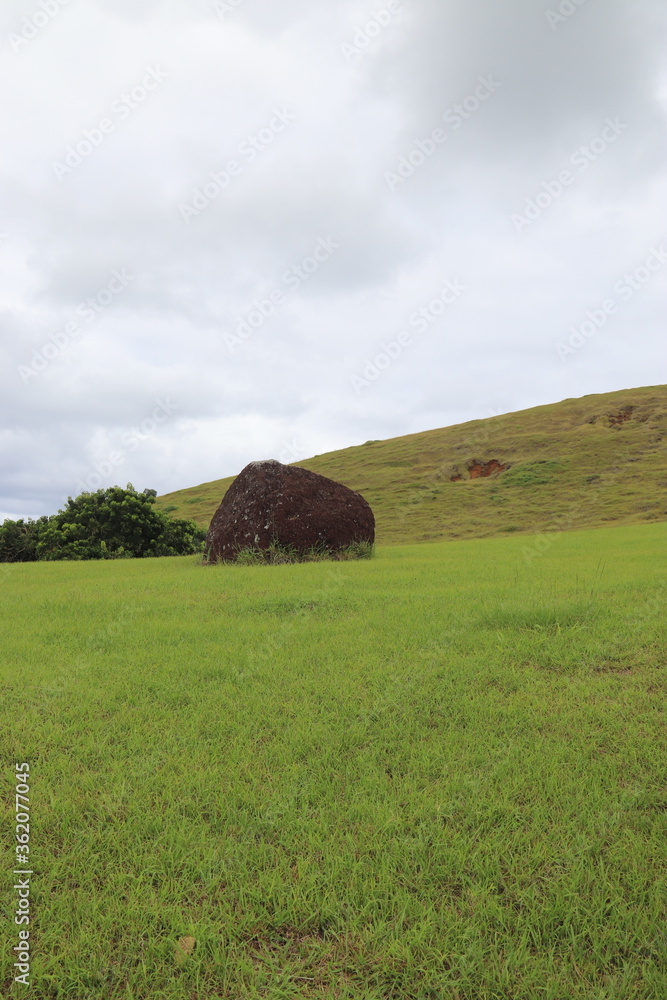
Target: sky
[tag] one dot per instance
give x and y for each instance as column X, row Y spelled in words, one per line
column 233, row 231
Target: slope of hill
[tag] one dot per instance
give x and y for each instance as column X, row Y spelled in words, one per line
column 580, row 463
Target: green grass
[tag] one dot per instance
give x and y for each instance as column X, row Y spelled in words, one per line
column 439, row 773
column 279, row 555
column 572, row 461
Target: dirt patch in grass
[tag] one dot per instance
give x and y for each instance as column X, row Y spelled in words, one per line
column 311, row 958
column 476, row 468
column 622, row 417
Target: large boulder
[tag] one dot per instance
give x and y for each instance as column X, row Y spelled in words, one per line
column 273, row 503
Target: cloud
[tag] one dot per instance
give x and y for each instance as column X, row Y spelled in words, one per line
column 186, row 89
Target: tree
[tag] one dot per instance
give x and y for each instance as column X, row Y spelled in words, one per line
column 111, row 523
column 18, row 539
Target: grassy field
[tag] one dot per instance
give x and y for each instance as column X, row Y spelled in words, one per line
column 581, row 463
column 436, row 774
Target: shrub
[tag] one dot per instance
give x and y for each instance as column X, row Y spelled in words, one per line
column 111, row 523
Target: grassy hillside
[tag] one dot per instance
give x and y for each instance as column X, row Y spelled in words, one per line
column 581, row 463
column 439, row 773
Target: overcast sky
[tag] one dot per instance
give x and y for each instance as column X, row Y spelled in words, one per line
column 247, row 229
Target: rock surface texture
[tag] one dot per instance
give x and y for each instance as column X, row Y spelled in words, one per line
column 273, row 503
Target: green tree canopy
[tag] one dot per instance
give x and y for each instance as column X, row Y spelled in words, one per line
column 111, row 523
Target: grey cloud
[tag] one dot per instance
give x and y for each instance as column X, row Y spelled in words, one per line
column 194, row 285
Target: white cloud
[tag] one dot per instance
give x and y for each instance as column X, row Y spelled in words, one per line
column 226, row 72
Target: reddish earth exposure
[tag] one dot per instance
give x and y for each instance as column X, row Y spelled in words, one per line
column 616, row 419
column 480, row 470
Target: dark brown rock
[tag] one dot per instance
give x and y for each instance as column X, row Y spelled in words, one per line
column 273, row 503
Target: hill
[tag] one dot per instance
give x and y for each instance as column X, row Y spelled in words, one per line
column 580, row 463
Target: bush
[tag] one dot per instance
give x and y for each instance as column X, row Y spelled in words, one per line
column 112, row 523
